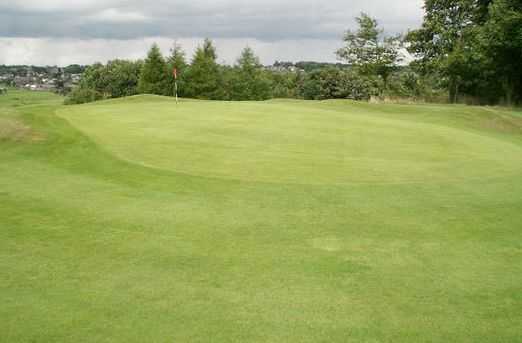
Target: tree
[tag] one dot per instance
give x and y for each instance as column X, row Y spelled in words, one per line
column 177, row 61
column 94, row 79
column 203, row 74
column 284, row 84
column 122, row 78
column 368, row 50
column 154, row 73
column 251, row 82
column 501, row 43
column 116, row 79
column 447, row 43
column 74, row 69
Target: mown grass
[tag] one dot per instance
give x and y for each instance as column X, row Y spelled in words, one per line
column 284, row 221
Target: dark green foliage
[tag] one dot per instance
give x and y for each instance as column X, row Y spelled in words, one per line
column 116, row 79
column 405, row 82
column 203, row 74
column 154, row 74
column 286, row 84
column 501, row 44
column 334, row 83
column 93, row 86
column 95, row 78
column 309, row 66
column 474, row 46
column 81, row 95
column 250, row 81
column 122, row 78
column 443, row 42
column 74, row 69
column 228, row 77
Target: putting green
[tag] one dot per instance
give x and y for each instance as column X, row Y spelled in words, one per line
column 333, row 142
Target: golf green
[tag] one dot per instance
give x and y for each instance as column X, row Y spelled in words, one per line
column 291, row 141
column 139, row 220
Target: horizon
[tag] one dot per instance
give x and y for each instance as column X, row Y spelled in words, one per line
column 86, row 65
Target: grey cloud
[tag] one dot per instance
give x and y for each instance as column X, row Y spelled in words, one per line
column 267, row 20
column 84, row 31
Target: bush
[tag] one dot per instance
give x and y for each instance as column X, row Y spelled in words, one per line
column 82, row 95
column 285, row 84
column 333, row 83
column 116, row 79
column 406, row 83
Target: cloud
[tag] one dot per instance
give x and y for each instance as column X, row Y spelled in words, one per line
column 264, row 20
column 113, row 15
column 57, row 5
column 279, row 29
column 64, row 51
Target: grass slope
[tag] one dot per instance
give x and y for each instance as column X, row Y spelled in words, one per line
column 285, row 221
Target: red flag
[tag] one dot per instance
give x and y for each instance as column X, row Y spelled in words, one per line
column 175, row 73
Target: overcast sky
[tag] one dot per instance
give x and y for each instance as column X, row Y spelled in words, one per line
column 61, row 32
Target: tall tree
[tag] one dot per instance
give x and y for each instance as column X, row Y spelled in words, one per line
column 369, row 50
column 177, row 61
column 501, row 42
column 154, row 73
column 203, row 74
column 447, row 41
column 251, row 82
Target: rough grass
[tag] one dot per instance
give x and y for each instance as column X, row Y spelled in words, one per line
column 135, row 220
column 11, row 129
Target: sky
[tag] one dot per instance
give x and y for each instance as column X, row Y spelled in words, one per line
column 62, row 32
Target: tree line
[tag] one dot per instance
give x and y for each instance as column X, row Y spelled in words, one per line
column 465, row 49
column 474, row 47
column 204, row 78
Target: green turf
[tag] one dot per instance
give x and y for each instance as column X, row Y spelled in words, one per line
column 136, row 220
column 296, row 142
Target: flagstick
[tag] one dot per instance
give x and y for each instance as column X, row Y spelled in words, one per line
column 175, row 74
column 176, row 90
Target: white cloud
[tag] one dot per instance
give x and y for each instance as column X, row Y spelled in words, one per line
column 59, row 5
column 64, row 51
column 114, row 15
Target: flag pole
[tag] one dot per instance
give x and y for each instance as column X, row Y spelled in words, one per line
column 175, row 74
column 176, row 90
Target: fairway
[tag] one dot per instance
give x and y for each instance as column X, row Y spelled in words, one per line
column 139, row 220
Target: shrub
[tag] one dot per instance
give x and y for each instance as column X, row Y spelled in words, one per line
column 81, row 95
column 333, row 83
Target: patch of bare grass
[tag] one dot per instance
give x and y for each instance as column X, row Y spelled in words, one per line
column 17, row 131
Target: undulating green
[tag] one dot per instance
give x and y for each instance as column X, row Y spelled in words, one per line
column 137, row 220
